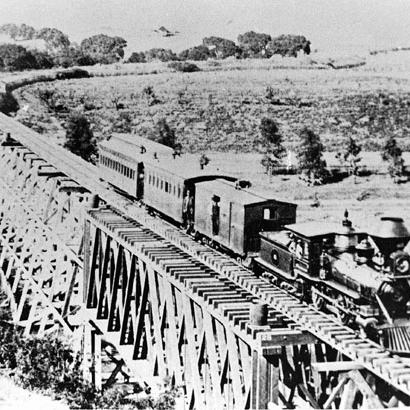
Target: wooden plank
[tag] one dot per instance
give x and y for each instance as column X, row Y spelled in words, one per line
column 337, row 366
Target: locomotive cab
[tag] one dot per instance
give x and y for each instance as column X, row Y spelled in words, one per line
column 297, row 250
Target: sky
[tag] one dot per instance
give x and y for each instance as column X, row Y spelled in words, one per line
column 344, row 25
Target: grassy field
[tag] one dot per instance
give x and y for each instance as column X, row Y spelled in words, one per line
column 218, row 111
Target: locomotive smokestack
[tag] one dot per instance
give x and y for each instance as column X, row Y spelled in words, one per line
column 390, row 234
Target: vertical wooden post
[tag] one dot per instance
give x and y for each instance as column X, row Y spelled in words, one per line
column 87, row 353
column 94, row 202
column 97, row 366
column 265, row 380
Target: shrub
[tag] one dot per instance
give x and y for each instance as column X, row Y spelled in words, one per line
column 137, row 58
column 16, row 58
column 254, row 44
column 104, row 49
column 183, row 67
column 160, row 54
column 221, row 47
column 198, row 53
column 8, row 103
column 288, row 45
column 392, row 154
column 350, row 156
column 164, row 134
column 79, row 137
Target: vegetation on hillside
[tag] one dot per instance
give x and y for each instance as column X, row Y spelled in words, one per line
column 104, row 49
column 79, row 137
column 49, row 365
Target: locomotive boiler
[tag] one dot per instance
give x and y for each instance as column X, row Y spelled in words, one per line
column 362, row 278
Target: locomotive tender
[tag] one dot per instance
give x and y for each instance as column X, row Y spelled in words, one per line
column 362, row 278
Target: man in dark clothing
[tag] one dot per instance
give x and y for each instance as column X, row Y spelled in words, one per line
column 188, row 210
column 215, row 211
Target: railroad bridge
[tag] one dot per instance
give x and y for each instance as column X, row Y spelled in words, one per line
column 80, row 259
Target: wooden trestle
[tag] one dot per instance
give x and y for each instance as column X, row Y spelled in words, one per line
column 188, row 323
column 172, row 308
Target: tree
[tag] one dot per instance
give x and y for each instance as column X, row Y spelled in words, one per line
column 350, row 156
column 15, row 58
column 21, row 32
column 392, row 154
column 72, row 55
column 79, row 137
column 288, row 45
column 43, row 59
column 254, row 44
column 222, row 47
column 160, row 54
column 164, row 134
column 274, row 150
column 137, row 57
column 55, row 39
column 198, row 53
column 310, row 157
column 104, row 49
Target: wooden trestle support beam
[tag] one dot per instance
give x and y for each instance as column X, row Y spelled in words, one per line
column 167, row 314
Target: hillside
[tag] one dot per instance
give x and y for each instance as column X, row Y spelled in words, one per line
column 219, row 108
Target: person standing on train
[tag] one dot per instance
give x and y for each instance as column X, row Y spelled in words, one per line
column 188, row 210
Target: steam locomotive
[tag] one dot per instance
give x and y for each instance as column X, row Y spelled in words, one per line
column 362, row 278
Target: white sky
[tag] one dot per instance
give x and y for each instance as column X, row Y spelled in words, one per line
column 350, row 24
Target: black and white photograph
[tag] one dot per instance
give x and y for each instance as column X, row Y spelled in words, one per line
column 204, row 204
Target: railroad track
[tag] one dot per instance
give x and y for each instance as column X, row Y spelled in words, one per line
column 228, row 301
column 390, row 368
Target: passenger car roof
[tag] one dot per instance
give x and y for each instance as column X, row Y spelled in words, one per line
column 129, row 145
column 242, row 196
column 187, row 167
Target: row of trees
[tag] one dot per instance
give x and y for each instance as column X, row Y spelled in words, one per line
column 59, row 50
column 104, row 49
column 310, row 154
column 249, row 45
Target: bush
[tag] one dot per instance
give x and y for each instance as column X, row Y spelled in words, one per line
column 8, row 103
column 392, row 154
column 164, row 134
column 288, row 45
column 104, row 49
column 183, row 67
column 137, row 58
column 221, row 47
column 198, row 53
column 160, row 54
column 79, row 137
column 254, row 44
column 16, row 58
